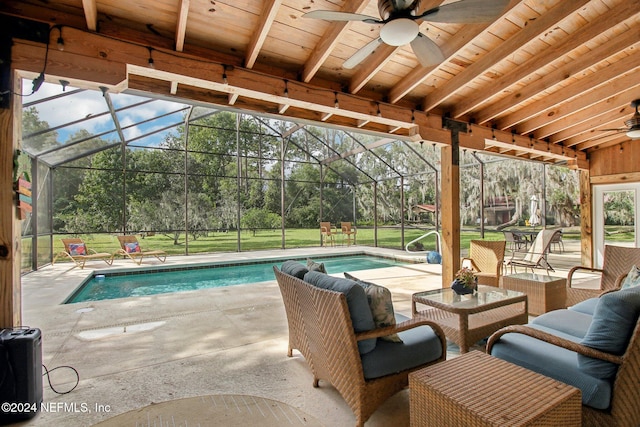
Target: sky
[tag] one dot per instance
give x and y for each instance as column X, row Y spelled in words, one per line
column 91, row 104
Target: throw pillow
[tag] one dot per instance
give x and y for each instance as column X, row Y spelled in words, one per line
column 77, row 249
column 612, row 325
column 381, row 305
column 294, row 268
column 632, row 279
column 132, row 247
column 316, row 266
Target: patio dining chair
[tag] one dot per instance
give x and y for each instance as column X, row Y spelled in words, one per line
column 130, row 248
column 557, row 240
column 327, row 234
column 77, row 251
column 514, row 241
column 536, row 256
column 348, row 232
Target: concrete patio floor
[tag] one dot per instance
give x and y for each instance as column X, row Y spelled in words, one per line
column 132, row 352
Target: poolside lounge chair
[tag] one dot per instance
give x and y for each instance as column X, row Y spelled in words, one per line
column 130, row 248
column 327, row 234
column 536, row 256
column 76, row 250
column 485, row 259
column 616, row 264
column 348, row 231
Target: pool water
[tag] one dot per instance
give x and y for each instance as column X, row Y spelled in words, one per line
column 106, row 286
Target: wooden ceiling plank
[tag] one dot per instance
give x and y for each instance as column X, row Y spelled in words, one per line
column 269, row 12
column 530, row 32
column 419, row 74
column 91, row 14
column 567, row 93
column 371, row 67
column 585, row 33
column 181, row 24
column 604, row 100
column 560, row 74
column 329, row 40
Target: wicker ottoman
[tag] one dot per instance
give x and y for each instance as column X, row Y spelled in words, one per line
column 476, row 390
column 545, row 293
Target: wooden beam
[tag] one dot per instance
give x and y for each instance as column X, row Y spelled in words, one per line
column 586, row 33
column 269, row 12
column 544, row 106
column 371, row 66
column 586, row 220
column 181, row 24
column 450, row 185
column 329, row 40
column 606, row 97
column 562, row 73
column 548, row 20
column 10, row 236
column 90, row 14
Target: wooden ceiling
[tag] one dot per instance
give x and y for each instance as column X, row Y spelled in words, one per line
column 541, row 81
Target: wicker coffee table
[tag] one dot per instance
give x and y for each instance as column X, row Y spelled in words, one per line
column 545, row 293
column 478, row 390
column 466, row 319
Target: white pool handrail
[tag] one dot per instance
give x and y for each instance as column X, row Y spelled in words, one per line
column 406, row 248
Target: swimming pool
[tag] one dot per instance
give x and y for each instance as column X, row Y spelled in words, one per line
column 159, row 281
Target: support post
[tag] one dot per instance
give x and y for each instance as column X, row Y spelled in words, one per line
column 450, row 160
column 10, row 244
column 586, row 220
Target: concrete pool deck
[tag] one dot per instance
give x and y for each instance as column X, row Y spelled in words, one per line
column 132, row 352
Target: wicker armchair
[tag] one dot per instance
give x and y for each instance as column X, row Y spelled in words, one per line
column 624, row 410
column 617, row 262
column 320, row 327
column 486, row 258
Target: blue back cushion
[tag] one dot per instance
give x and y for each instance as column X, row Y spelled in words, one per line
column 294, row 268
column 359, row 310
column 614, row 320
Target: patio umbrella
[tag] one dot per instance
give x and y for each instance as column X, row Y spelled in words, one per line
column 534, row 219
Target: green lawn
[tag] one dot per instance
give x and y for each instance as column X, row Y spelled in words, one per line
column 389, row 237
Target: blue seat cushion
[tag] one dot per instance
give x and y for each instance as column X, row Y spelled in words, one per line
column 294, row 268
column 419, row 346
column 566, row 321
column 359, row 311
column 614, row 320
column 554, row 362
column 587, row 306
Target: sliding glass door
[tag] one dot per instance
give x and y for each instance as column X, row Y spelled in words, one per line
column 616, row 217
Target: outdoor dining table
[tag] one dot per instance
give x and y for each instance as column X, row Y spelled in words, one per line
column 528, row 235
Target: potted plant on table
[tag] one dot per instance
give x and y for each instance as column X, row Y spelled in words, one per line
column 466, row 282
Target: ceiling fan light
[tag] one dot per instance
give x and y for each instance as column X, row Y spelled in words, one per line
column 634, row 133
column 399, row 31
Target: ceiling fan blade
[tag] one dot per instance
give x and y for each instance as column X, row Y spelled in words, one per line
column 362, row 54
column 427, row 51
column 614, row 130
column 330, row 15
column 466, row 12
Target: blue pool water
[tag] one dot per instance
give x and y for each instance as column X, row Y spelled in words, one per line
column 189, row 279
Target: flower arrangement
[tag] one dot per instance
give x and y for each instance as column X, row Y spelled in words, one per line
column 466, row 277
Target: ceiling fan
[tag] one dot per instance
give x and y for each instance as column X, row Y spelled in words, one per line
column 632, row 129
column 399, row 26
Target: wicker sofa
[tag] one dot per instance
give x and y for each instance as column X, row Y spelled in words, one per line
column 331, row 324
column 594, row 346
